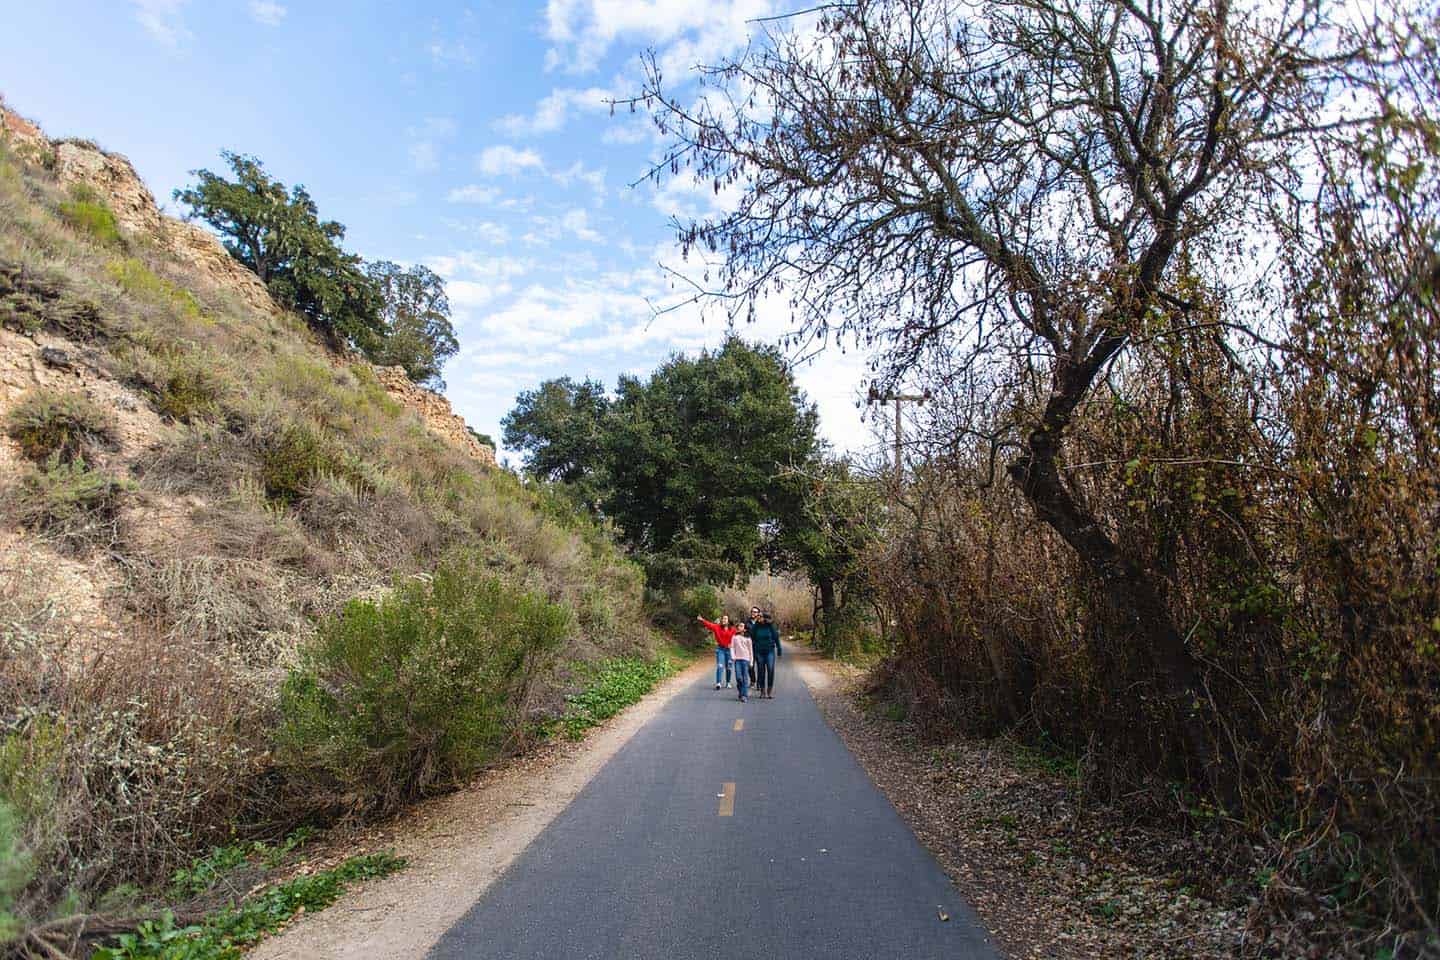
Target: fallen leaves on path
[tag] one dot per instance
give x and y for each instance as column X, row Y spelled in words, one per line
column 1048, row 876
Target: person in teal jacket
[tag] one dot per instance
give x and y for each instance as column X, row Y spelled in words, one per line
column 765, row 638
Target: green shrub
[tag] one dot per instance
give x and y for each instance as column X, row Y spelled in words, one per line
column 187, row 381
column 419, row 689
column 851, row 632
column 30, row 812
column 15, row 872
column 88, row 214
column 702, row 601
column 206, row 873
column 295, row 457
column 69, row 500
column 291, row 459
column 142, row 283
column 31, row 301
column 226, row 934
column 47, row 422
column 29, row 759
column 616, row 683
column 190, row 390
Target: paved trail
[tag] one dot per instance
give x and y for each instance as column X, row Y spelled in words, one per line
column 724, row 830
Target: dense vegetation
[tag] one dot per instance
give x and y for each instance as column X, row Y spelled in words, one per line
column 392, row 316
column 209, row 509
column 693, row 465
column 1169, row 272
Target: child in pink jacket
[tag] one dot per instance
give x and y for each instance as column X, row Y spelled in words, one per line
column 740, row 652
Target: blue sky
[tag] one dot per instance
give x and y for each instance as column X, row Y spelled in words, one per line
column 472, row 137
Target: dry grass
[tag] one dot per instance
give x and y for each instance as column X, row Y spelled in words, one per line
column 283, row 484
column 790, row 600
column 67, row 424
column 67, row 503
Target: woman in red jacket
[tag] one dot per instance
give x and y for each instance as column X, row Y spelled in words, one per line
column 724, row 633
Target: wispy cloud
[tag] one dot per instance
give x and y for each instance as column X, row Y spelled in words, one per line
column 267, row 12
column 162, row 20
column 505, row 160
column 577, row 223
column 473, row 193
column 577, row 172
column 551, row 113
column 487, row 231
column 583, row 31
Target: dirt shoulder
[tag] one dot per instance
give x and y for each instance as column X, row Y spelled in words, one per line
column 457, row 845
column 1048, row 876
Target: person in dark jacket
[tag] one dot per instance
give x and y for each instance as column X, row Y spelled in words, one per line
column 750, row 622
column 765, row 638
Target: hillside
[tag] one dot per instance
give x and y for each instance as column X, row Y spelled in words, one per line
column 192, row 486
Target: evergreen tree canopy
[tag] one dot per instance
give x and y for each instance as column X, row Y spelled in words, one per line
column 278, row 233
column 686, row 463
column 417, row 333
column 557, row 426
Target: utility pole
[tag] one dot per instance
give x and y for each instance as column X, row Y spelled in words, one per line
column 875, row 396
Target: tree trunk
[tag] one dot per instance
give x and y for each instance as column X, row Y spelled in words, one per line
column 827, row 603
column 1132, row 591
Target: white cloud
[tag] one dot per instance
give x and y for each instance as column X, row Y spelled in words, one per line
column 476, row 265
column 473, row 193
column 689, row 198
column 574, row 222
column 577, row 222
column 469, row 294
column 551, row 112
column 267, row 12
column 578, row 172
column 583, row 31
column 488, row 231
column 597, row 323
column 631, row 131
column 162, row 20
column 505, row 160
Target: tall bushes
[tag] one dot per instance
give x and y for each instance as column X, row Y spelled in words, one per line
column 1169, row 271
column 418, row 689
column 1296, row 536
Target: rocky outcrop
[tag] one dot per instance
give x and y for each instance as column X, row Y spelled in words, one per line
column 114, row 180
column 434, row 410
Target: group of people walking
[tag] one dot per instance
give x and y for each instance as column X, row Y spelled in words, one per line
column 749, row 649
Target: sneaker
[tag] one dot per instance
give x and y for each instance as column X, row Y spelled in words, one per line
column 717, row 686
column 727, row 685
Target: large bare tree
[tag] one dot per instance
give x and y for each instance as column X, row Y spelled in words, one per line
column 1014, row 191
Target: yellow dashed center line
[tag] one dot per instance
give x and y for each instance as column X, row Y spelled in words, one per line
column 739, row 724
column 727, row 801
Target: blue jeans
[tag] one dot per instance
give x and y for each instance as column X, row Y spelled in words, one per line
column 722, row 663
column 742, row 677
column 765, row 670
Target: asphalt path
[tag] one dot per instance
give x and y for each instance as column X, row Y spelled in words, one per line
column 724, row 829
